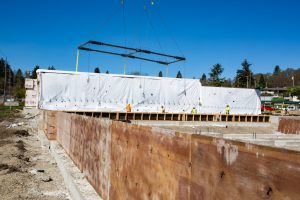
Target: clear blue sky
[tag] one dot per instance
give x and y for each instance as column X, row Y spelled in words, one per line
column 47, row 32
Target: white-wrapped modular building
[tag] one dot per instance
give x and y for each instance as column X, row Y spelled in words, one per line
column 78, row 91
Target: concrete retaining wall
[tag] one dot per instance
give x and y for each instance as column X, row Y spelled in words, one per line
column 289, row 125
column 126, row 161
column 49, row 124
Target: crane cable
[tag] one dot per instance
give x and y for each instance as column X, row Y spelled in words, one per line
column 175, row 42
column 124, row 33
column 169, row 31
column 93, row 33
column 148, row 16
column 153, row 28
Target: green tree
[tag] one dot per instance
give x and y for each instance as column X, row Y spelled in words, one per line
column 107, row 72
column 136, row 73
column 261, row 82
column 18, row 86
column 215, row 75
column 160, row 74
column 19, row 79
column 33, row 74
column 51, row 68
column 6, row 77
column 178, row 75
column 294, row 91
column 227, row 83
column 97, row 70
column 203, row 79
column 27, row 74
column 20, row 93
column 277, row 70
column 244, row 77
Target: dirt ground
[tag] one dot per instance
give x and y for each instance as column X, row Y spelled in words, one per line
column 27, row 171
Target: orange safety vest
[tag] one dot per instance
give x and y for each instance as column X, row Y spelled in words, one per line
column 128, row 108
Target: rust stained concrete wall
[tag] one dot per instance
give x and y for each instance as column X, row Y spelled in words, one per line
column 49, row 124
column 125, row 161
column 289, row 126
column 87, row 141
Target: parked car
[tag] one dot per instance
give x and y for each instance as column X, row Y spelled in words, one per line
column 267, row 108
column 292, row 107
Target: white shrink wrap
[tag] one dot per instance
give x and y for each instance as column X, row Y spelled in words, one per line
column 78, row 91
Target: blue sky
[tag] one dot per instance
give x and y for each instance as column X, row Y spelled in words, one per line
column 47, row 32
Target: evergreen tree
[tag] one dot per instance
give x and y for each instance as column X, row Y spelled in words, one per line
column 3, row 65
column 227, row 83
column 178, row 75
column 33, row 74
column 262, row 82
column 97, row 70
column 277, row 70
column 19, row 79
column 160, row 74
column 203, row 79
column 6, row 76
column 107, row 72
column 27, row 74
column 136, row 73
column 244, row 77
column 215, row 74
column 51, row 68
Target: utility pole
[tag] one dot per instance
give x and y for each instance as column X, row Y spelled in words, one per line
column 4, row 93
column 9, row 83
column 77, row 59
column 167, row 70
column 250, row 80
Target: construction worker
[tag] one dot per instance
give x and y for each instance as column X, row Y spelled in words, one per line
column 194, row 110
column 227, row 109
column 128, row 108
column 162, row 108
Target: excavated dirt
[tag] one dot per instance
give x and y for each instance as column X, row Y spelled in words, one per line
column 26, row 170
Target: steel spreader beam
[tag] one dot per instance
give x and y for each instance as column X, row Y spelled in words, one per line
column 130, row 54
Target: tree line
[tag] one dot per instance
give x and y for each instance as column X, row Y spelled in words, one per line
column 245, row 78
column 12, row 81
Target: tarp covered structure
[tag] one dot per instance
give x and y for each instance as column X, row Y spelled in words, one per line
column 78, row 91
column 240, row 101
